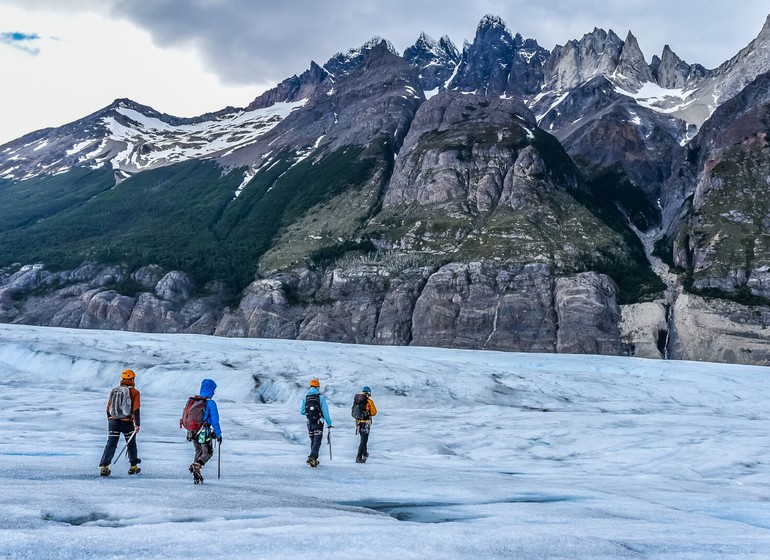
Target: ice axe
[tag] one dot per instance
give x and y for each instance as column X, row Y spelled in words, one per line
column 125, row 447
column 329, row 441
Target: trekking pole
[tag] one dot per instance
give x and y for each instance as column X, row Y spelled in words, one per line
column 329, row 441
column 125, row 447
column 219, row 459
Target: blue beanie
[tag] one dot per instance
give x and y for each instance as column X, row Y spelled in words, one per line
column 366, row 390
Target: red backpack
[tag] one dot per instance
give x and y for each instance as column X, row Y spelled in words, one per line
column 193, row 414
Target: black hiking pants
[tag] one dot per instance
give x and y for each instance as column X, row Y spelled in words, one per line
column 117, row 427
column 316, row 433
column 363, row 429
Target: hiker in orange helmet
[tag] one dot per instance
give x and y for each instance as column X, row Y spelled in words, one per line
column 314, row 408
column 122, row 418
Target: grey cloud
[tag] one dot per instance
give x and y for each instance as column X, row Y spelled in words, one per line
column 248, row 42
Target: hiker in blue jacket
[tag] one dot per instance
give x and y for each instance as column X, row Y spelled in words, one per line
column 203, row 441
column 316, row 411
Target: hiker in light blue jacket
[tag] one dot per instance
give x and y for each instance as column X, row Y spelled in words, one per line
column 315, row 409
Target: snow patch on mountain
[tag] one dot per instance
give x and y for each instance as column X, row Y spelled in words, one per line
column 660, row 99
column 174, row 144
column 130, row 141
column 552, row 106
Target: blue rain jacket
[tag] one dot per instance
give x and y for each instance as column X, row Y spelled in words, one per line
column 324, row 408
column 211, row 416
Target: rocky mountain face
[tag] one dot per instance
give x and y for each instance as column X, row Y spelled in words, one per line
column 505, row 198
column 718, row 213
column 616, row 133
column 457, row 306
column 436, row 61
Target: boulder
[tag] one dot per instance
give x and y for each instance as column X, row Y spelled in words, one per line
column 174, row 286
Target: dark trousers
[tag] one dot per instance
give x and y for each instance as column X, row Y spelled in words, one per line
column 316, row 433
column 117, row 427
column 363, row 429
column 203, row 452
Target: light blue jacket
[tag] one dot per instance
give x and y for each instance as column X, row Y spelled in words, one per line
column 211, row 416
column 324, row 407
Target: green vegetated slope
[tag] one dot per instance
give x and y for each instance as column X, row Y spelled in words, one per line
column 161, row 216
column 292, row 210
column 23, row 203
column 183, row 217
column 732, row 226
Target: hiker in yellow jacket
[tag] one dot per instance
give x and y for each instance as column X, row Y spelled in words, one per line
column 363, row 410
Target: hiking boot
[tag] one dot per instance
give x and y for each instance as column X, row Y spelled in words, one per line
column 313, row 462
column 134, row 469
column 105, row 470
column 364, row 458
column 359, row 460
column 195, row 469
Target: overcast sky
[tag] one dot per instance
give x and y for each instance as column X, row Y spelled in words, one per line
column 63, row 59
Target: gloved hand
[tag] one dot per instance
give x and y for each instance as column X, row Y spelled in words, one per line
column 219, row 439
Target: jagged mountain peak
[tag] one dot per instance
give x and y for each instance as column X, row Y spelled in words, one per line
column 491, row 31
column 377, row 41
column 441, row 48
column 598, row 38
column 127, row 103
column 435, row 61
column 293, row 89
column 448, row 46
column 498, row 62
column 379, row 51
column 426, row 40
column 631, row 49
column 631, row 38
column 342, row 64
column 491, row 21
column 708, row 89
column 612, row 36
column 632, row 70
column 670, row 71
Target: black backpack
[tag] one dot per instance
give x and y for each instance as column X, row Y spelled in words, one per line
column 313, row 411
column 360, row 411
